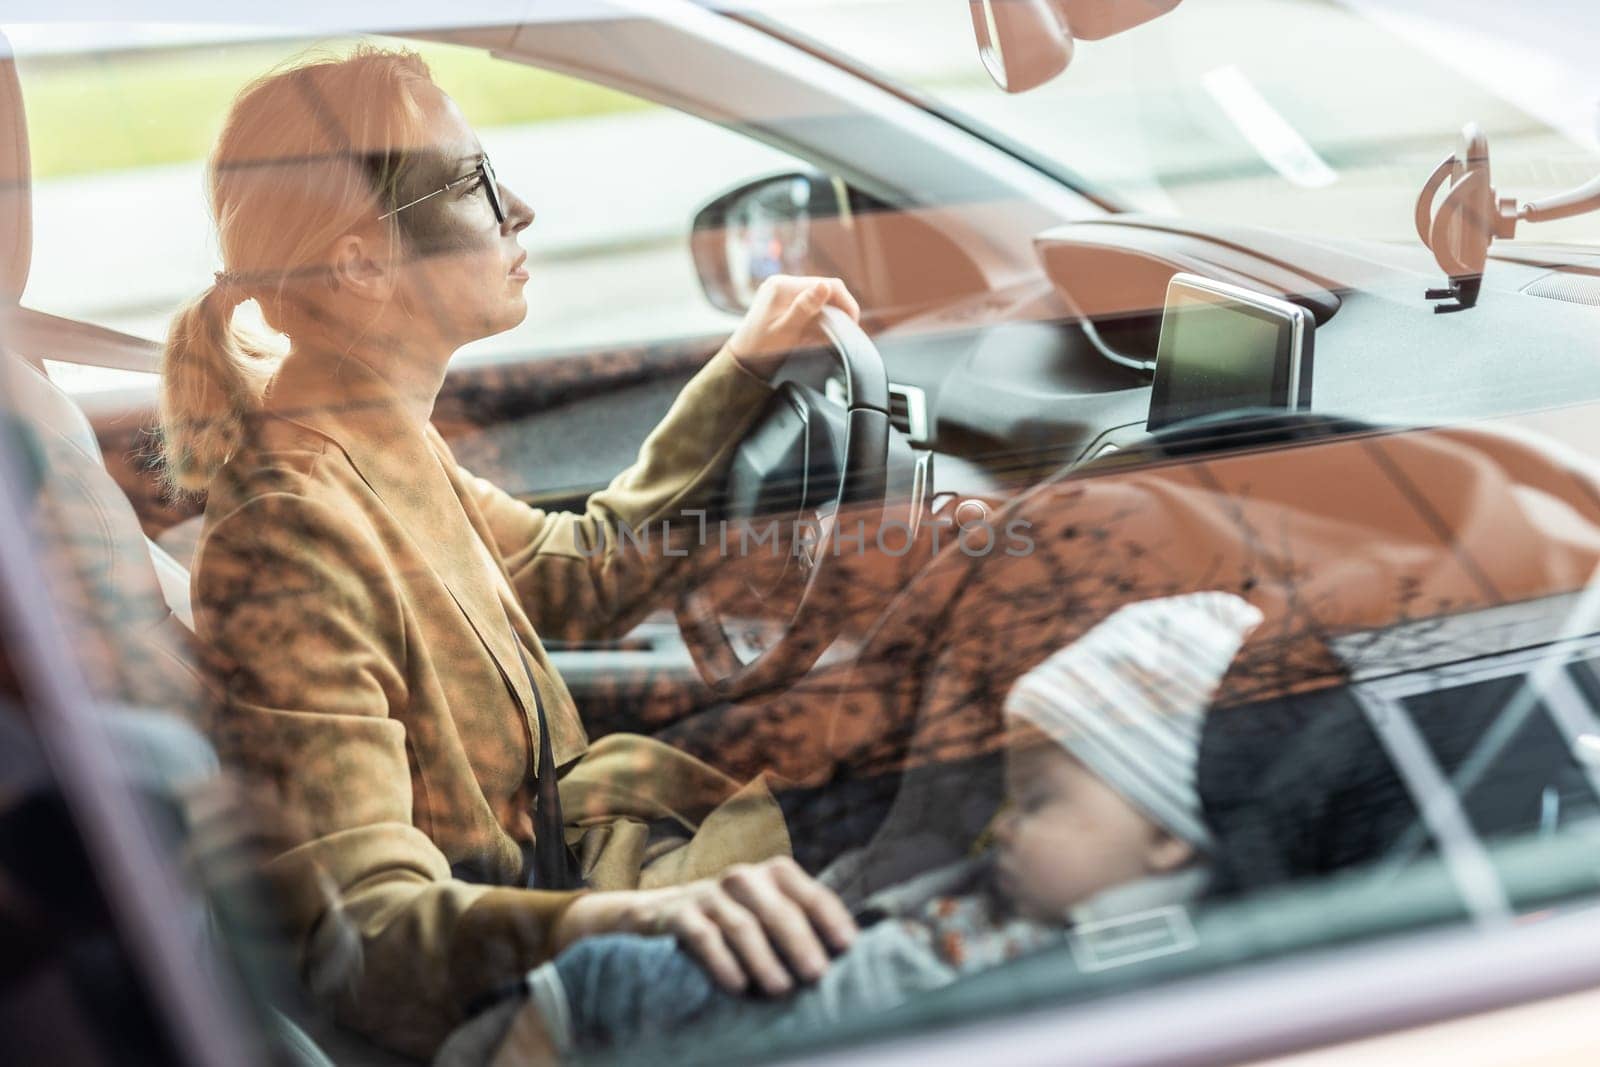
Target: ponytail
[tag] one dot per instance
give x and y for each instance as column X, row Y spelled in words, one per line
column 212, row 376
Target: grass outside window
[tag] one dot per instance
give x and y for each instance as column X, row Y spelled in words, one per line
column 99, row 113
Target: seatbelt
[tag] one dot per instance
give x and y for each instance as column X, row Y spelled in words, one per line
column 554, row 866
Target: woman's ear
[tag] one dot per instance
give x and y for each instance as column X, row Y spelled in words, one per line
column 1168, row 852
column 357, row 267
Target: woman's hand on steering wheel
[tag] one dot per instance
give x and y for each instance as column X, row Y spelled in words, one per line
column 783, row 317
column 758, row 925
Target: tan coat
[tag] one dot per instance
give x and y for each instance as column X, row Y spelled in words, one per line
column 373, row 680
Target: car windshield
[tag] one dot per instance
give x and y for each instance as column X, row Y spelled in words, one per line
column 1312, row 115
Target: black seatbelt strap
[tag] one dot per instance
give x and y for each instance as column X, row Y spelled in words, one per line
column 553, row 865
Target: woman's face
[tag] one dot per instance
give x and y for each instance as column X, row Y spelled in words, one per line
column 462, row 272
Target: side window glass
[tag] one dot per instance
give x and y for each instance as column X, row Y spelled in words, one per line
column 122, row 234
column 615, row 182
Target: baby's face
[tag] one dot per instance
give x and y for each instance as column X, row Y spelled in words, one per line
column 1067, row 835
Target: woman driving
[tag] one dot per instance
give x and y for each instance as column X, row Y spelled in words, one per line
column 377, row 608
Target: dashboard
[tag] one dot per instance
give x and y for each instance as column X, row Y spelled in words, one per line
column 1019, row 383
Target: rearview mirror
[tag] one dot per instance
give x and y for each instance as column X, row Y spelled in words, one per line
column 1025, row 43
column 1022, row 43
column 1095, row 20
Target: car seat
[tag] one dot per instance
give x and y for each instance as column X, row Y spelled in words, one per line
column 122, row 599
column 133, row 610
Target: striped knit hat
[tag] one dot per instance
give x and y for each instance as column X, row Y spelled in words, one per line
column 1129, row 697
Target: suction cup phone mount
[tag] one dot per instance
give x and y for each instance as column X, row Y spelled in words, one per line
column 1460, row 214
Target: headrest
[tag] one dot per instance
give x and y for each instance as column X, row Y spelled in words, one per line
column 16, row 206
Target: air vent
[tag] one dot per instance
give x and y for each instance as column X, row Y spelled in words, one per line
column 908, row 408
column 908, row 411
column 1566, row 286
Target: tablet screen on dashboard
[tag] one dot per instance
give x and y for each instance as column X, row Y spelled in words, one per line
column 1225, row 348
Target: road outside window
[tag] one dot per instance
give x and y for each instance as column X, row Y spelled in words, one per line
column 121, row 234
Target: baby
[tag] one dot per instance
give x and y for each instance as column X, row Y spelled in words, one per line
column 1103, row 820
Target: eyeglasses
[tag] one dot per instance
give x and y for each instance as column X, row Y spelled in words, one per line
column 484, row 171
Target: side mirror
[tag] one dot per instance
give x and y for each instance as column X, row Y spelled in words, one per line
column 797, row 223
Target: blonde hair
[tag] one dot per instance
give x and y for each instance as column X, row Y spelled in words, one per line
column 308, row 153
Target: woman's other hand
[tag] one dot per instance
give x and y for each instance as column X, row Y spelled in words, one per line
column 783, row 317
column 756, row 925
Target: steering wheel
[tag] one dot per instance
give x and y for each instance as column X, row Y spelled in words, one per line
column 784, row 461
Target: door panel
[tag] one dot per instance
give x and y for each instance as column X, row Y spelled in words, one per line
column 552, row 430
